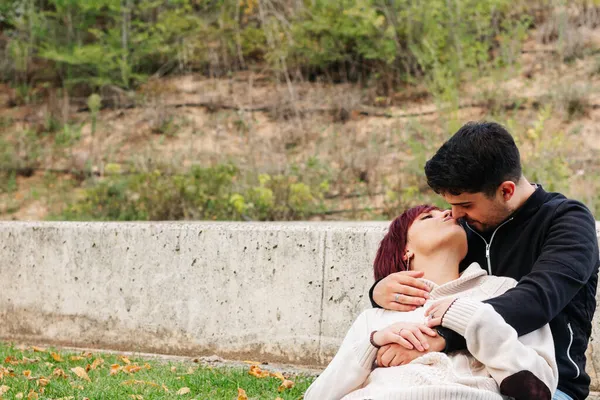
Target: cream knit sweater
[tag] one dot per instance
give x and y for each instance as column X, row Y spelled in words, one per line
column 495, row 351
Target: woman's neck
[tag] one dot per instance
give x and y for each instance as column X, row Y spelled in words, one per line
column 440, row 268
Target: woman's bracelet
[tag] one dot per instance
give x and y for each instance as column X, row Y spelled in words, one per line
column 372, row 341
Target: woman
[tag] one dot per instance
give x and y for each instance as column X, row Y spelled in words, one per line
column 498, row 363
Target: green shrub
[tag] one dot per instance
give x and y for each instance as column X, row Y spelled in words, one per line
column 217, row 193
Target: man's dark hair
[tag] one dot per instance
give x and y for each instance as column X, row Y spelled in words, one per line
column 477, row 158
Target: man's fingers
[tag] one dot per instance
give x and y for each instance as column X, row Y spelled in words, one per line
column 414, row 274
column 409, row 291
column 408, row 300
column 405, row 280
column 392, row 305
column 387, row 357
column 397, row 360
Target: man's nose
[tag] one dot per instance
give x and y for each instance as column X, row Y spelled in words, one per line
column 456, row 213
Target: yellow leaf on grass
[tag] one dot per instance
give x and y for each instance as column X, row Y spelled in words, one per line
column 75, row 358
column 165, row 388
column 76, row 386
column 183, row 390
column 277, row 375
column 19, row 395
column 173, row 369
column 56, row 357
column 43, row 381
column 97, row 362
column 242, row 394
column 147, row 366
column 80, row 372
column 59, row 373
column 4, row 389
column 252, row 362
column 114, row 369
column 27, row 373
column 137, row 396
column 286, row 384
column 124, row 359
column 131, row 369
column 257, row 372
column 32, row 395
column 38, row 349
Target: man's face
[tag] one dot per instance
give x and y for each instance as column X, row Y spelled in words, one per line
column 480, row 211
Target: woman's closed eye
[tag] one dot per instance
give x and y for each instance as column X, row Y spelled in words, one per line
column 426, row 216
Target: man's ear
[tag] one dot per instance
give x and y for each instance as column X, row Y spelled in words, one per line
column 507, row 190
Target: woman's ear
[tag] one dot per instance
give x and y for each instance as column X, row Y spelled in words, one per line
column 407, row 255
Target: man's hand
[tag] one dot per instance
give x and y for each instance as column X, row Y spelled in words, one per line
column 401, row 291
column 392, row 355
column 437, row 311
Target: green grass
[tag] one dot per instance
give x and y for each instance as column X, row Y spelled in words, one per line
column 149, row 382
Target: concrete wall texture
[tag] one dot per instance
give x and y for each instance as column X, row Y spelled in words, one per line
column 283, row 292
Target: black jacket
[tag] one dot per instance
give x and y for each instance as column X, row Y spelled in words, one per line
column 550, row 246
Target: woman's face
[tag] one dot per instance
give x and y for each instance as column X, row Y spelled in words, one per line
column 434, row 231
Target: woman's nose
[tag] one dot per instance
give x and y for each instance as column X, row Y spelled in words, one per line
column 447, row 213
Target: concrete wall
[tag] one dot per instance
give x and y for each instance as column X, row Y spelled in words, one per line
column 279, row 291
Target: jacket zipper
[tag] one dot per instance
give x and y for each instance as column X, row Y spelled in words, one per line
column 569, row 350
column 488, row 245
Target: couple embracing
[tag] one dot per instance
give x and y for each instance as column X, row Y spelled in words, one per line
column 492, row 299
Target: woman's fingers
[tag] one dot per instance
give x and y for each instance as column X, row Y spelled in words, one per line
column 412, row 338
column 428, row 331
column 431, row 322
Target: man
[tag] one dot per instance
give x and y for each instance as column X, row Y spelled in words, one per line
column 544, row 240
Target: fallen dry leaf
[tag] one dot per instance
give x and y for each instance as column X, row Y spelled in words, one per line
column 124, row 359
column 97, row 362
column 278, row 398
column 75, row 358
column 38, row 349
column 165, row 388
column 11, row 360
column 59, row 373
column 80, row 372
column 242, row 394
column 43, row 381
column 30, row 360
column 4, row 389
column 32, row 395
column 132, row 368
column 286, row 384
column 252, row 362
column 66, row 398
column 76, row 386
column 114, row 369
column 56, row 357
column 183, row 390
column 173, row 369
column 19, row 395
column 147, row 366
column 277, row 375
column 137, row 396
column 27, row 373
column 257, row 372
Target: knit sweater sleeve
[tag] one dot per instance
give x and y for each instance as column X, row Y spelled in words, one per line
column 351, row 365
column 524, row 367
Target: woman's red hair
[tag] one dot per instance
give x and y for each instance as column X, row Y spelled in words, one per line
column 392, row 246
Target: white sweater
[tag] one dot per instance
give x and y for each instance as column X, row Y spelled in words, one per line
column 495, row 351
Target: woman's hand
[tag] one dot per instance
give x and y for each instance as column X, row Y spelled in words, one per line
column 437, row 311
column 409, row 335
column 401, row 291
